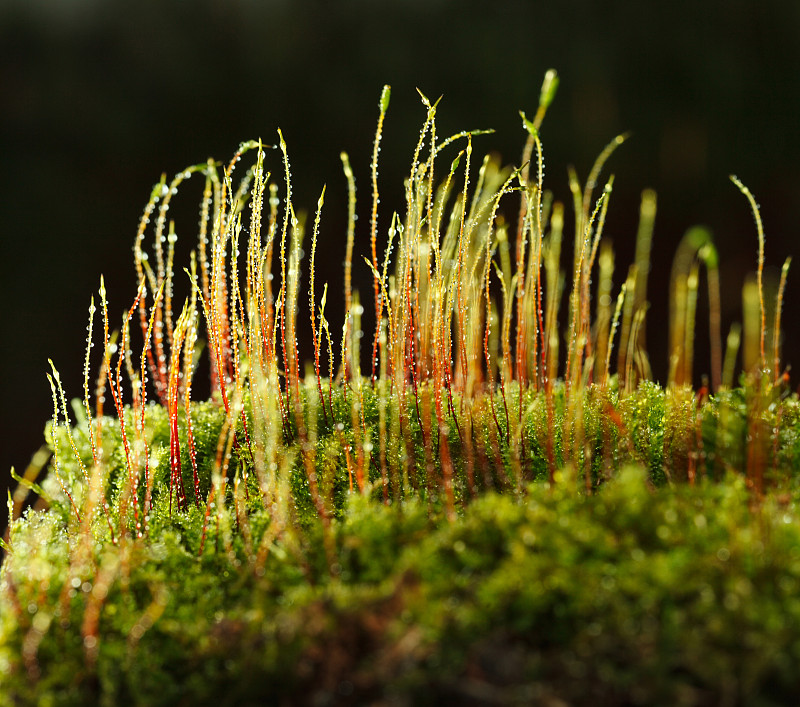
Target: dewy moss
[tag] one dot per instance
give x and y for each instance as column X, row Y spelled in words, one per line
column 493, row 506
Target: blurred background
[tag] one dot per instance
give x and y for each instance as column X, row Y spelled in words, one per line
column 98, row 98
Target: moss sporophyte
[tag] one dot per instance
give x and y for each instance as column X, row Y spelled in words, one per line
column 500, row 507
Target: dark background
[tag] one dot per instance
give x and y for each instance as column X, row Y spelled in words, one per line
column 98, row 98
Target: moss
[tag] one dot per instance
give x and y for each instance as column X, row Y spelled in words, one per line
column 462, row 526
column 675, row 596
